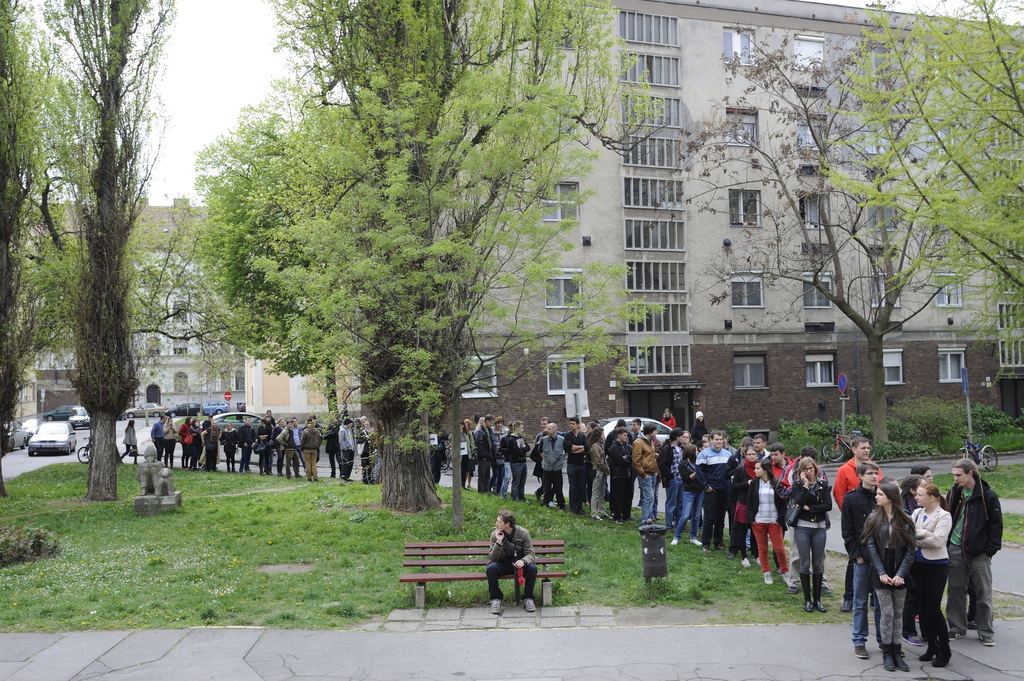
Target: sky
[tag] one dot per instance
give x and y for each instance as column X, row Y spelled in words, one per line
column 220, row 59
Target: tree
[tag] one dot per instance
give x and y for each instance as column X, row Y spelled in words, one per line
column 959, row 101
column 20, row 151
column 111, row 51
column 804, row 180
column 422, row 161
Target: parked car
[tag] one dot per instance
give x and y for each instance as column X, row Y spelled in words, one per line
column 608, row 425
column 18, row 436
column 53, row 438
column 147, row 409
column 237, row 419
column 213, row 407
column 30, row 426
column 80, row 418
column 61, row 413
column 185, row 409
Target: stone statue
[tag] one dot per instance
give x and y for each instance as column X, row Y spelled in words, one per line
column 157, row 493
column 148, row 474
column 165, row 486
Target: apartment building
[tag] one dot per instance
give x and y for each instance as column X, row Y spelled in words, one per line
column 724, row 217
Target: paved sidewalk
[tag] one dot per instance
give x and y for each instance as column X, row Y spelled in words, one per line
column 636, row 653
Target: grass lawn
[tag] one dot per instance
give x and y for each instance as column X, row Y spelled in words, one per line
column 1006, row 481
column 197, row 566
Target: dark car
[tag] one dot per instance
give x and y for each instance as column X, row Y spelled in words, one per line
column 61, row 413
column 185, row 409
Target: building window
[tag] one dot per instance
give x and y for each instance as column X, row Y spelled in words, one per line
column 806, row 132
column 746, row 291
column 654, row 235
column 814, row 211
column 813, row 296
column 653, row 152
column 951, row 360
column 647, row 192
column 1011, row 353
column 181, row 383
column 737, row 46
column 748, row 371
column 950, row 294
column 744, row 208
column 652, row 69
column 484, row 382
column 892, row 364
column 741, row 127
column 239, row 381
column 659, row 360
column 180, row 347
column 564, row 206
column 882, row 217
column 563, row 290
column 565, row 374
column 808, row 51
column 661, row 112
column 655, row 276
column 821, row 370
column 1011, row 316
column 879, row 292
column 655, row 29
column 671, row 319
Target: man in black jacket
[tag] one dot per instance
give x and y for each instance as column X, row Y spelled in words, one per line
column 976, row 536
column 857, row 506
column 246, row 438
column 485, row 454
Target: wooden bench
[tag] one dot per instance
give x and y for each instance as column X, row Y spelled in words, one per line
column 426, row 555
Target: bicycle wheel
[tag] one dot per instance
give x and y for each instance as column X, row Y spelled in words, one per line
column 833, row 452
column 988, row 459
column 84, row 453
column 446, row 463
column 962, row 454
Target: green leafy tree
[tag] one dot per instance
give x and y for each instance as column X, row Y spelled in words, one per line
column 110, row 51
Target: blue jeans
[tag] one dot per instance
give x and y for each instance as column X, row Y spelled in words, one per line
column 577, row 486
column 518, row 481
column 861, row 589
column 506, row 480
column 691, row 509
column 673, row 501
column 647, row 509
column 497, row 476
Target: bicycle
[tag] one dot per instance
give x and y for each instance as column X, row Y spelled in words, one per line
column 839, row 449
column 85, row 453
column 985, row 456
column 446, row 464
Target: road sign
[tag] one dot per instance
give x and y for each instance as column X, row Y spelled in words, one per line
column 963, row 381
column 842, row 383
column 227, row 395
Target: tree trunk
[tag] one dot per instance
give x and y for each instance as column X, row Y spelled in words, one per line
column 876, row 372
column 103, row 466
column 3, row 487
column 406, row 481
column 331, row 393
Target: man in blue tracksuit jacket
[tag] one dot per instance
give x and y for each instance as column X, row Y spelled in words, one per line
column 712, row 473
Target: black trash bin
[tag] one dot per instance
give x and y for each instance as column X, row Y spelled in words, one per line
column 652, row 543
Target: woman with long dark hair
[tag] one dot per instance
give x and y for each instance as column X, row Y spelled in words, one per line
column 693, row 494
column 932, row 524
column 889, row 534
column 766, row 511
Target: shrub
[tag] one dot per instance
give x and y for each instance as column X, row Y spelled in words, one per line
column 735, row 432
column 989, row 420
column 902, row 450
column 933, row 418
column 19, row 545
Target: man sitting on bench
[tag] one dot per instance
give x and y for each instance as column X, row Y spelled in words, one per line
column 511, row 549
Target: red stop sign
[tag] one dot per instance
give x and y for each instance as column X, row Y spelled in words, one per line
column 227, row 395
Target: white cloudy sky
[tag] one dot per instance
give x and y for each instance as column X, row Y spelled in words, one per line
column 220, row 59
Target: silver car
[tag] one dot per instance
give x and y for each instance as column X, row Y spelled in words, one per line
column 18, row 435
column 53, row 437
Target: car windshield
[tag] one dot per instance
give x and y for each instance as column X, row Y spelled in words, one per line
column 30, row 423
column 79, row 411
column 53, row 429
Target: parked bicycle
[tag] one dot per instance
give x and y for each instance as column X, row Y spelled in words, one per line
column 839, row 449
column 85, row 453
column 985, row 456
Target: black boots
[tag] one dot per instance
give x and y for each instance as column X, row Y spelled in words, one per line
column 929, row 654
column 887, row 660
column 897, row 657
column 942, row 654
column 805, row 582
column 817, row 579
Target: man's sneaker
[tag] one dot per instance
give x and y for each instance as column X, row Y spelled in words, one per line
column 596, row 517
column 825, row 591
column 954, row 635
column 618, row 522
column 732, row 554
column 987, row 641
column 847, row 606
column 530, row 605
column 768, row 578
column 972, row 625
column 675, row 542
column 696, row 542
column 861, row 652
column 719, row 547
column 745, row 563
column 706, row 549
column 913, row 640
column 495, row 607
column 792, row 589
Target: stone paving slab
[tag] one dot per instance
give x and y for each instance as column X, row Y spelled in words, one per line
column 68, row 656
column 597, row 621
column 20, row 647
column 443, row 614
column 555, row 622
column 413, row 615
column 142, row 647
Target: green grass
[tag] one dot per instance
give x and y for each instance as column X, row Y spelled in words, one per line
column 1013, row 528
column 197, row 566
column 1006, row 481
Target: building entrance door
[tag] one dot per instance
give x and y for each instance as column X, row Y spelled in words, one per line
column 652, row 404
column 153, row 394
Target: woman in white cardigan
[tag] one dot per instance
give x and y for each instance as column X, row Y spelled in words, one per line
column 930, row 570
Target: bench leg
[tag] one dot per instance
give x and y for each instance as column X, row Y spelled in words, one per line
column 545, row 592
column 421, row 595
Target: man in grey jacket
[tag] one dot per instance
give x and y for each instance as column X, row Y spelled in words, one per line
column 511, row 550
column 552, row 457
column 348, row 450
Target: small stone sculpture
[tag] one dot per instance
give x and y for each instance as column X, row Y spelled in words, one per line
column 149, row 472
column 157, row 494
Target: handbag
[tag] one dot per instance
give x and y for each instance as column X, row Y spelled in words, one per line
column 740, row 513
column 792, row 512
column 259, row 447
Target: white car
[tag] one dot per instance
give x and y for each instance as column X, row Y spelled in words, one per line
column 608, row 425
column 53, row 437
column 19, row 435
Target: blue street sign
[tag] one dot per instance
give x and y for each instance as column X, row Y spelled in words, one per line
column 842, row 383
column 963, row 380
